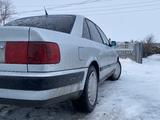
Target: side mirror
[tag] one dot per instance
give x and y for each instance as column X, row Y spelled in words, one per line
column 113, row 44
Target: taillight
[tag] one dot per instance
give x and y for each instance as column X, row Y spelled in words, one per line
column 32, row 53
column 43, row 53
column 16, row 52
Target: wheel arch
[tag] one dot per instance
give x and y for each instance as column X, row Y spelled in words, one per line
column 95, row 64
column 118, row 59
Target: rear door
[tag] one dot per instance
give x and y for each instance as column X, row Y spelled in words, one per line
column 112, row 54
column 104, row 56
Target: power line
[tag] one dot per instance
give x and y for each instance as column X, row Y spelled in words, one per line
column 115, row 9
column 127, row 10
column 62, row 6
column 126, row 7
column 121, row 12
column 51, row 5
column 75, row 4
column 110, row 6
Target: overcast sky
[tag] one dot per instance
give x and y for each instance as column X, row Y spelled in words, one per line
column 121, row 20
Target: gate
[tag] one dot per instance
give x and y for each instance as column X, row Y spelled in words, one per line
column 133, row 51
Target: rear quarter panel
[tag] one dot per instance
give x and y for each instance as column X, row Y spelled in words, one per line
column 73, row 54
column 68, row 50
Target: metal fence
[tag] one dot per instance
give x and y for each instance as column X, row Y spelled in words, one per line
column 133, row 51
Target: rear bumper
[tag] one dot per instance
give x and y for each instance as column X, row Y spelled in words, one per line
column 42, row 87
column 39, row 83
column 34, row 103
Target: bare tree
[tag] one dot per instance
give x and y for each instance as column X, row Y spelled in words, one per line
column 6, row 10
column 149, row 47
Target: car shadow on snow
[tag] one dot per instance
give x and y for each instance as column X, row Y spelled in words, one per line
column 59, row 111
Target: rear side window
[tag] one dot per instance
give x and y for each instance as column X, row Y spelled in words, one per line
column 61, row 23
column 86, row 33
column 95, row 36
column 105, row 39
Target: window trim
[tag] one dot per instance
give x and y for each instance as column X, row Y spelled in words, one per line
column 97, row 30
column 85, row 21
column 104, row 34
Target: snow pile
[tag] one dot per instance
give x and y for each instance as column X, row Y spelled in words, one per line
column 136, row 96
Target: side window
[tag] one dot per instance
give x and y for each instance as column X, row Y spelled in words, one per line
column 105, row 39
column 86, row 33
column 95, row 36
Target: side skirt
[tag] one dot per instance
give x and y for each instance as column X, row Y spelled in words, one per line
column 106, row 77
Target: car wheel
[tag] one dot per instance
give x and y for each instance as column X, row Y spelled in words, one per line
column 88, row 99
column 117, row 73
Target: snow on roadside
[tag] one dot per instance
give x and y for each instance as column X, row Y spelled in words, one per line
column 136, row 96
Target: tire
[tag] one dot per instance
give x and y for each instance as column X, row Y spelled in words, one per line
column 88, row 100
column 117, row 73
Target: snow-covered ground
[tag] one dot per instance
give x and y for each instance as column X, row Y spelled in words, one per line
column 136, row 96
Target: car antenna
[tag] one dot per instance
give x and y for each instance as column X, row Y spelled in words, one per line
column 46, row 13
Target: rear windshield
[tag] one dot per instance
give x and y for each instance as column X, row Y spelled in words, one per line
column 61, row 23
